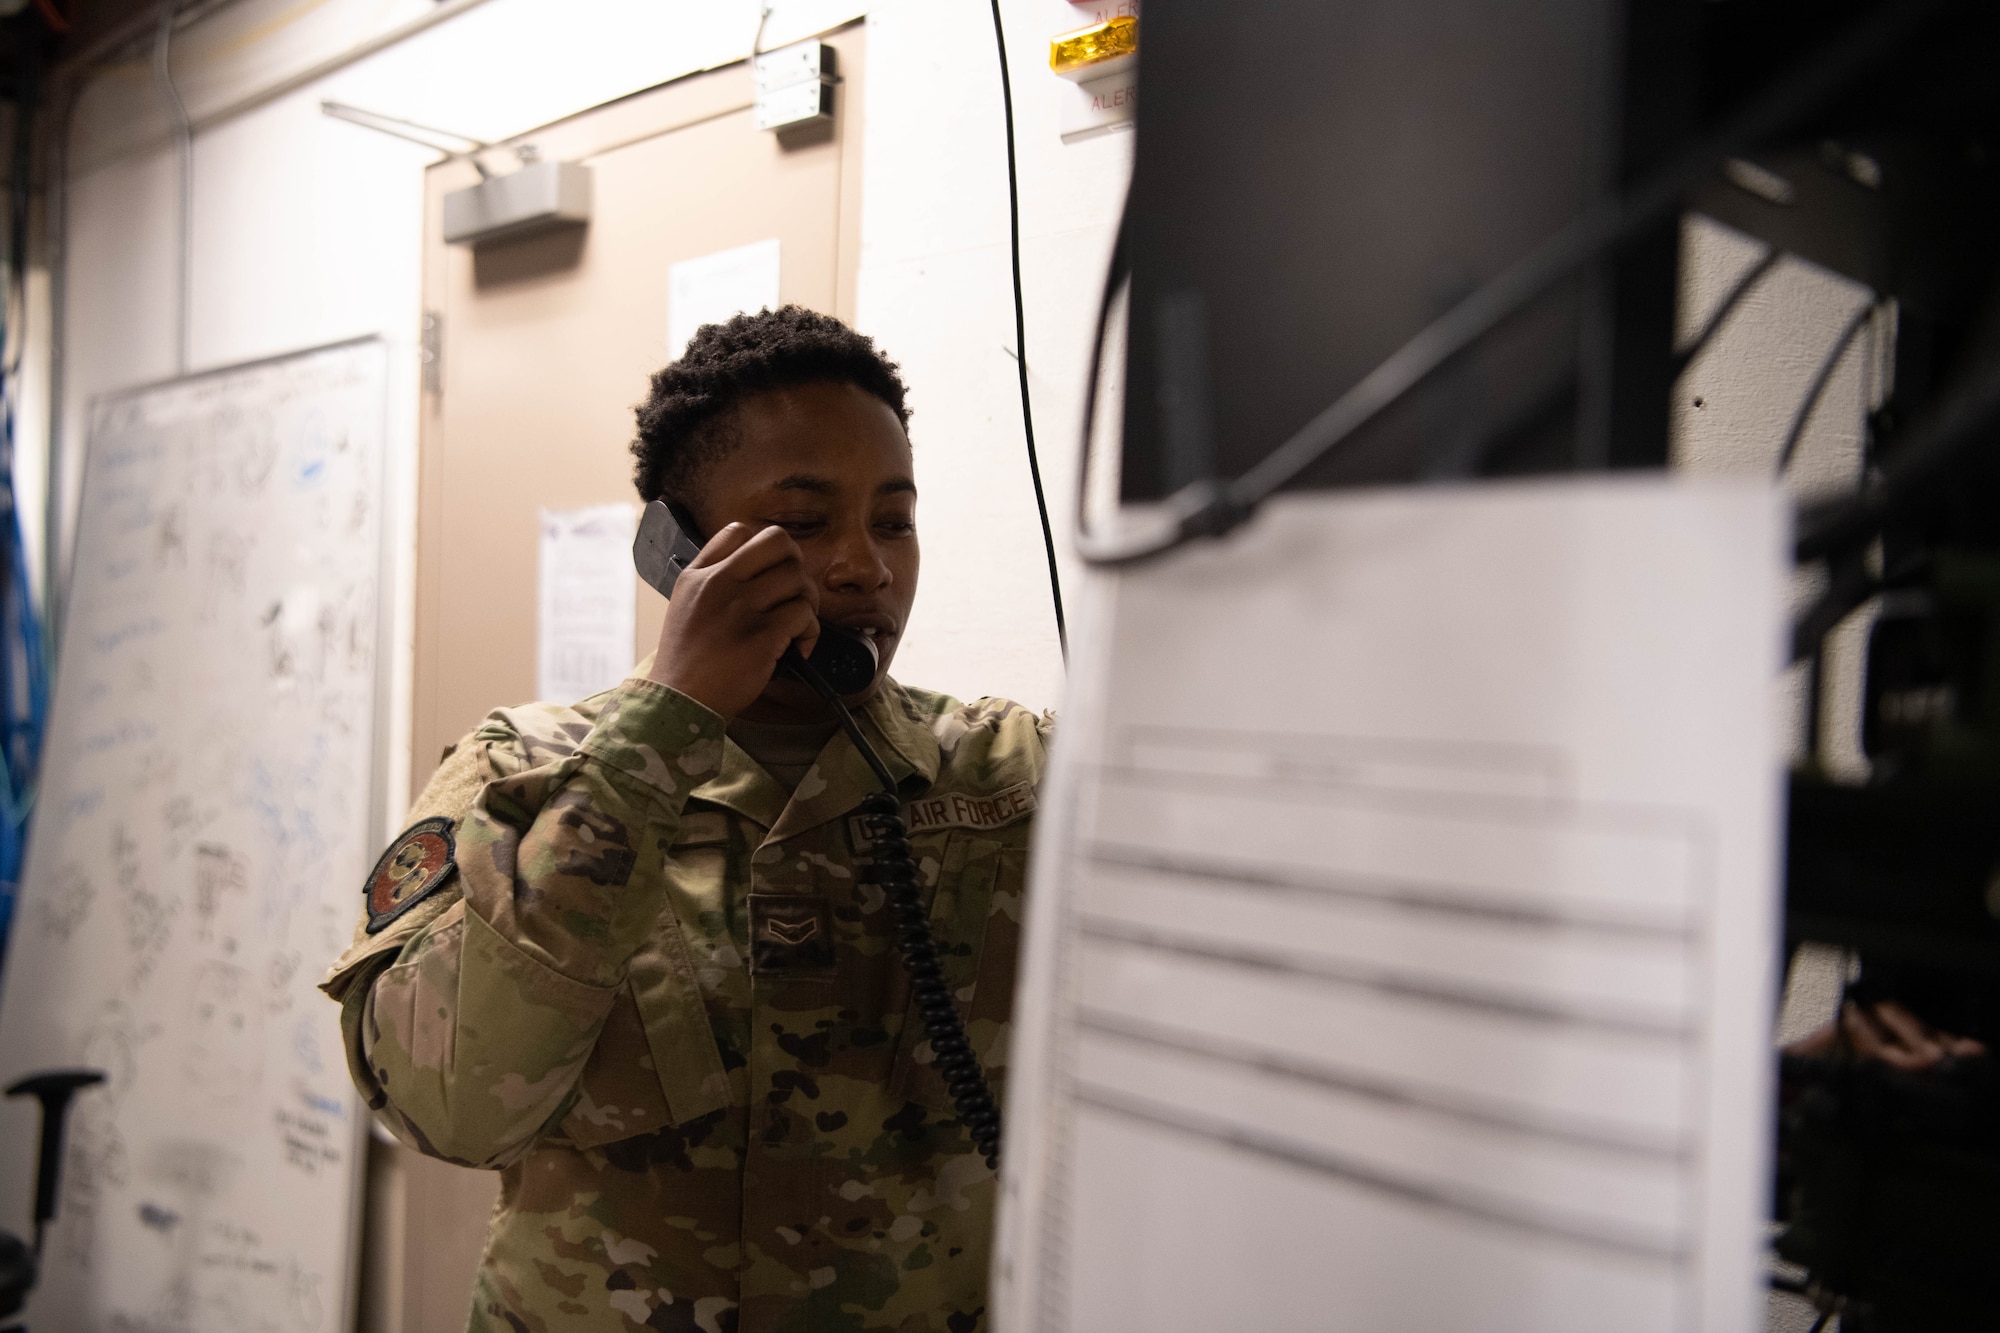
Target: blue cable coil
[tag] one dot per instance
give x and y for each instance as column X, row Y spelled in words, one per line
column 24, row 677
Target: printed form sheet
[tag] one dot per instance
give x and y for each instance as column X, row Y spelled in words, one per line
column 586, row 621
column 1400, row 952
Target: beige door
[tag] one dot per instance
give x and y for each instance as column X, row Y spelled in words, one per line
column 545, row 346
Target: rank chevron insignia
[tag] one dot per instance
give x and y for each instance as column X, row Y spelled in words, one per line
column 792, row 932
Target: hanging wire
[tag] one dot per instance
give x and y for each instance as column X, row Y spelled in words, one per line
column 1753, row 275
column 1816, row 390
column 1021, row 333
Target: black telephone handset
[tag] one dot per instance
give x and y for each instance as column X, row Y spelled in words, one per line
column 667, row 544
column 845, row 663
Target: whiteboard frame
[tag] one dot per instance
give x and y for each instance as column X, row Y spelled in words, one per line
column 387, row 568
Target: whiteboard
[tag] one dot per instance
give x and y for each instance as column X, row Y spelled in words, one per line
column 208, row 811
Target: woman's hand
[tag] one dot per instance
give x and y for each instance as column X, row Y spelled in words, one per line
column 744, row 600
column 1889, row 1033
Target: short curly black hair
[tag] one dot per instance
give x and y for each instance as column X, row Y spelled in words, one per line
column 685, row 422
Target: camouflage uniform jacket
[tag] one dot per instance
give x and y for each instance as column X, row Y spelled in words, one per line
column 656, row 996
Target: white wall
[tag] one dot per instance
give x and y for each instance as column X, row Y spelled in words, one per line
column 307, row 230
column 936, row 291
column 301, row 237
column 1735, row 405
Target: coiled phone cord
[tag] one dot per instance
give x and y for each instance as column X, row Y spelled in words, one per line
column 894, row 870
column 896, row 873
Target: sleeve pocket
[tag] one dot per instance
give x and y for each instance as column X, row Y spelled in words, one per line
column 656, row 1063
column 619, row 1095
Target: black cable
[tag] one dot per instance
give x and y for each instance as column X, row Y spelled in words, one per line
column 1848, row 585
column 1924, row 456
column 894, row 870
column 1212, row 507
column 1021, row 333
column 1754, row 274
column 1114, row 280
column 896, row 873
column 1820, row 1323
column 1821, row 378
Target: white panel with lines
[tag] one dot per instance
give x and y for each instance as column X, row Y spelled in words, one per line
column 1401, row 943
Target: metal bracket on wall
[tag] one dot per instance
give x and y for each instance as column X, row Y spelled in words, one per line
column 430, row 353
column 795, row 86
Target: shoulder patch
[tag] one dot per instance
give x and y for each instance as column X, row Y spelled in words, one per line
column 416, row 865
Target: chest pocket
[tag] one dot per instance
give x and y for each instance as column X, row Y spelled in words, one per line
column 656, row 1062
column 975, row 916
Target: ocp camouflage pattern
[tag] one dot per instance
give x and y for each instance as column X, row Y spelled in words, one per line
column 690, row 1139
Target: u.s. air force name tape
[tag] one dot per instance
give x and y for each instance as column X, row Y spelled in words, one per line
column 956, row 810
column 416, row 865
